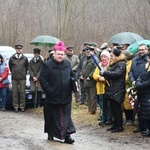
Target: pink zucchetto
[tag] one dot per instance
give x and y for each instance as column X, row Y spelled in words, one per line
column 60, row 46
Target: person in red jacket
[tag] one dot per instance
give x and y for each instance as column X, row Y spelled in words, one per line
column 4, row 71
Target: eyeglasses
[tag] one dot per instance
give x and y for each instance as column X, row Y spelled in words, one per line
column 141, row 49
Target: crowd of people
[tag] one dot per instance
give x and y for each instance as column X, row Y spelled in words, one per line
column 103, row 75
column 106, row 85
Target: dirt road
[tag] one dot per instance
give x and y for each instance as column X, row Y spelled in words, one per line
column 24, row 131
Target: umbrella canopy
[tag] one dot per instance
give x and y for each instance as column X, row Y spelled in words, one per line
column 134, row 47
column 125, row 38
column 44, row 40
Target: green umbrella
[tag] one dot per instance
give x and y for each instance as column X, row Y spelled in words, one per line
column 125, row 38
column 44, row 40
column 134, row 47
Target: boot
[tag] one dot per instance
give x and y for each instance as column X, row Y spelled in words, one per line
column 118, row 129
column 111, row 128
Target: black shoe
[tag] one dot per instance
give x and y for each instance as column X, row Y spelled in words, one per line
column 146, row 133
column 50, row 137
column 69, row 140
column 118, row 129
column 108, row 123
column 136, row 130
column 111, row 128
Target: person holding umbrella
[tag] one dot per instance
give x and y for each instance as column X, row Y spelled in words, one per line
column 35, row 65
column 55, row 79
column 100, row 83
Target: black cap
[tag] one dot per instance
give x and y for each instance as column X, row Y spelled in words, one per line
column 36, row 51
column 18, row 46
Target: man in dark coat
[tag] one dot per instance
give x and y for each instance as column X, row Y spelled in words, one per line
column 143, row 88
column 137, row 68
column 115, row 89
column 35, row 65
column 55, row 81
column 18, row 65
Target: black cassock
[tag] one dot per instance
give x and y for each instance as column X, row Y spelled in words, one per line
column 58, row 122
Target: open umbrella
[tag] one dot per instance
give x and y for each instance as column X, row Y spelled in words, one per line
column 125, row 38
column 134, row 47
column 45, row 40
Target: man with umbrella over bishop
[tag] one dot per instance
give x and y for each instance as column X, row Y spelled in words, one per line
column 55, row 81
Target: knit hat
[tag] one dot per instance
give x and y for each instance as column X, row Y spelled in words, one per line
column 106, row 53
column 60, row 46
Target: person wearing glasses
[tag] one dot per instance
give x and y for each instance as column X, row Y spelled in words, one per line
column 137, row 68
column 142, row 85
column 18, row 65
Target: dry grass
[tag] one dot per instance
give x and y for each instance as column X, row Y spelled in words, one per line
column 80, row 115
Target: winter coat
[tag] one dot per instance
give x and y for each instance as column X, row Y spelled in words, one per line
column 34, row 71
column 115, row 75
column 4, row 71
column 88, row 69
column 55, row 81
column 137, row 67
column 18, row 67
column 100, row 85
column 143, row 89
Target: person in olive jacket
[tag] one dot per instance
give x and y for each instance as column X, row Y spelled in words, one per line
column 115, row 90
column 18, row 65
column 87, row 71
column 55, row 81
